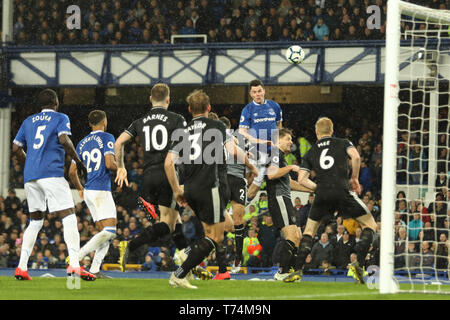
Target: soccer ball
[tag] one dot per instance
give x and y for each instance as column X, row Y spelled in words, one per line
column 295, row 54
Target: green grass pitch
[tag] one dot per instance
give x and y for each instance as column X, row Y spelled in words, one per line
column 159, row 289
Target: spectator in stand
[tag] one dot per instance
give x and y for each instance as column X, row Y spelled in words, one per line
column 342, row 251
column 321, row 30
column 414, row 227
column 188, row 29
column 322, row 250
column 267, row 236
column 188, row 228
column 442, row 252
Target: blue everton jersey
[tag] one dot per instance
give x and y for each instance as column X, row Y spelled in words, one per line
column 261, row 119
column 38, row 135
column 92, row 151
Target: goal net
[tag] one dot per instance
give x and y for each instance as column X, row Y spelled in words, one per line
column 415, row 199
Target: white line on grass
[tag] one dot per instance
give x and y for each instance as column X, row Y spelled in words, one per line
column 302, row 296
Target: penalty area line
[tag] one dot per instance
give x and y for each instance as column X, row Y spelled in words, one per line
column 301, row 296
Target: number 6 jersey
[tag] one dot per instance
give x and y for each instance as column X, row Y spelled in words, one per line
column 38, row 136
column 92, row 150
column 329, row 159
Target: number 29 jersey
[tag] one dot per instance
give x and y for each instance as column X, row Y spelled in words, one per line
column 329, row 159
column 92, row 150
column 38, row 135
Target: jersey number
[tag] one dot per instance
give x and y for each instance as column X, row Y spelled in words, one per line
column 196, row 150
column 326, row 162
column 94, row 156
column 151, row 139
column 39, row 137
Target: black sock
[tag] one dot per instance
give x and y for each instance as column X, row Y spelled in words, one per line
column 294, row 258
column 286, row 254
column 196, row 253
column 362, row 248
column 221, row 258
column 303, row 250
column 239, row 231
column 149, row 235
column 178, row 237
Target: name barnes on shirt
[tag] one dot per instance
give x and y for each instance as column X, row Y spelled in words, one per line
column 187, row 141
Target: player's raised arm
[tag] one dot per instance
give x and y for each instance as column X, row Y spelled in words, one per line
column 236, row 151
column 356, row 163
column 119, row 146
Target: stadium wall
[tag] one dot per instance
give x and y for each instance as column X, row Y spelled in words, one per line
column 337, row 62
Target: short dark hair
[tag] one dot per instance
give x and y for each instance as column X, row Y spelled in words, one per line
column 96, row 116
column 160, row 92
column 47, row 98
column 283, row 132
column 255, row 83
column 226, row 121
column 198, row 101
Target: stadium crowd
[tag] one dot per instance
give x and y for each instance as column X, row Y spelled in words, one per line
column 419, row 229
column 40, row 22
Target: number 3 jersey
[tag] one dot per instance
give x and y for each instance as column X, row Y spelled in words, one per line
column 39, row 136
column 92, row 150
column 329, row 159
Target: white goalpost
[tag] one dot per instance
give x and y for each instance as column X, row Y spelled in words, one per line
column 415, row 133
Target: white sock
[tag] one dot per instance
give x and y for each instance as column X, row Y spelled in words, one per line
column 97, row 241
column 72, row 239
column 28, row 241
column 100, row 254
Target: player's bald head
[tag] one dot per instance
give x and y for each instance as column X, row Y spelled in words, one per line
column 324, row 126
column 48, row 99
column 198, row 102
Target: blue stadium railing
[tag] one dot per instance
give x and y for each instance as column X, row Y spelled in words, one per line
column 326, row 62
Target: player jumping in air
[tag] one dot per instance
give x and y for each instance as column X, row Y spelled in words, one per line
column 97, row 152
column 259, row 121
column 45, row 136
column 328, row 157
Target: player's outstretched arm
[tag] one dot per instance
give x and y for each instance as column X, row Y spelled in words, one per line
column 298, row 187
column 252, row 139
column 274, row 172
column 121, row 176
column 73, row 175
column 303, row 179
column 169, row 168
column 356, row 163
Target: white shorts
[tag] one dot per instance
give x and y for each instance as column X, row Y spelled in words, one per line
column 52, row 192
column 261, row 165
column 100, row 204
